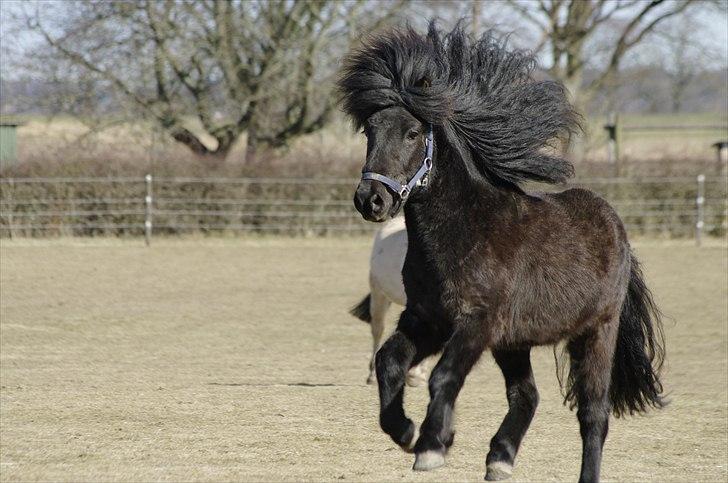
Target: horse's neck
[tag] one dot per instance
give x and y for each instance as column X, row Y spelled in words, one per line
column 453, row 215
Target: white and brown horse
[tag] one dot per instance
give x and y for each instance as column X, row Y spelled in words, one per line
column 386, row 288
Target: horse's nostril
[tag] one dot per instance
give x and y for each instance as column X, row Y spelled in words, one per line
column 377, row 203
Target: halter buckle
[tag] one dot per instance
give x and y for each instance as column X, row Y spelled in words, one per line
column 404, row 192
column 426, row 177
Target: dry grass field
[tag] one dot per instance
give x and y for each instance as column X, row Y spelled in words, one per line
column 219, row 360
column 64, row 146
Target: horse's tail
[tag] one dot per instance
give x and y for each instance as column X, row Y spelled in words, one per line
column 640, row 351
column 362, row 310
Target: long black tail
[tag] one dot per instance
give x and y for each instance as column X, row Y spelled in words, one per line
column 640, row 351
column 362, row 311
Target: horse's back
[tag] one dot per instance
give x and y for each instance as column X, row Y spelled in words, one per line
column 591, row 213
column 387, row 259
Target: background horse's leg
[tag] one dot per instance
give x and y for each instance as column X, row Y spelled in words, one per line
column 410, row 343
column 522, row 398
column 379, row 304
column 461, row 352
column 591, row 368
column 418, row 374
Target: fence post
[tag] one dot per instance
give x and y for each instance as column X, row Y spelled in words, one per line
column 148, row 210
column 721, row 149
column 11, row 206
column 700, row 207
column 611, row 128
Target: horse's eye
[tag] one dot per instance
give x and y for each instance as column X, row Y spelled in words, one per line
column 412, row 134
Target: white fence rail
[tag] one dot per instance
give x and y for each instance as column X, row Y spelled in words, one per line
column 672, row 206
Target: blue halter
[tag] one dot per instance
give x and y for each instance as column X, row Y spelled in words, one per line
column 421, row 177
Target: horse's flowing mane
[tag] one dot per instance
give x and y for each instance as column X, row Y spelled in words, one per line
column 480, row 94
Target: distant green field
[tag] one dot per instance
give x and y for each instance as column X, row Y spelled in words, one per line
column 706, row 126
column 675, row 119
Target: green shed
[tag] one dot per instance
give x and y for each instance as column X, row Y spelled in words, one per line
column 8, row 142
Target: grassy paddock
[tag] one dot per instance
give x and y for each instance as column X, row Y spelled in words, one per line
column 229, row 359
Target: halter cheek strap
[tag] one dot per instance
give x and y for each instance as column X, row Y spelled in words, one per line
column 421, row 177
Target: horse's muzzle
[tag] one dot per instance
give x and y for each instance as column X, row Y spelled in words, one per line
column 373, row 201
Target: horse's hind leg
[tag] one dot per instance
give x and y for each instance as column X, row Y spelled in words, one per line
column 591, row 368
column 522, row 401
column 378, row 306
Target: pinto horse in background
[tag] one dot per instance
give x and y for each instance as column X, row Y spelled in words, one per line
column 386, row 288
column 454, row 128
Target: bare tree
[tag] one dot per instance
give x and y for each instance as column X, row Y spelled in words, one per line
column 254, row 66
column 567, row 26
column 688, row 55
column 685, row 60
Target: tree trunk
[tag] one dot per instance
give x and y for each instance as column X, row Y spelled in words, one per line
column 212, row 158
column 251, row 147
column 475, row 20
column 257, row 151
column 184, row 136
column 573, row 83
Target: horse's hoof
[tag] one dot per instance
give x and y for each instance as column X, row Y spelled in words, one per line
column 410, row 447
column 498, row 470
column 429, row 460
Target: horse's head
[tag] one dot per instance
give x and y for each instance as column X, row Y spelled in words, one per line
column 399, row 158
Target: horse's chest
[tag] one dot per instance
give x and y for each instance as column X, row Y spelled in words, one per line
column 453, row 289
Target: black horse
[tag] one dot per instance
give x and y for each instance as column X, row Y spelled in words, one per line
column 454, row 127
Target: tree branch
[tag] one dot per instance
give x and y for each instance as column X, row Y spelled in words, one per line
column 528, row 15
column 624, row 43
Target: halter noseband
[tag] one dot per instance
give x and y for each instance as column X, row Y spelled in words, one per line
column 421, row 177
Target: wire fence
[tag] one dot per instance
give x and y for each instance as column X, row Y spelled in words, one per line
column 135, row 206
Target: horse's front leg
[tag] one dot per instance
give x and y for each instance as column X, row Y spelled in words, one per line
column 410, row 344
column 461, row 352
